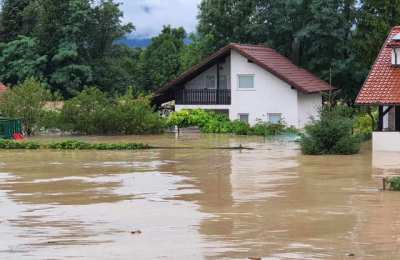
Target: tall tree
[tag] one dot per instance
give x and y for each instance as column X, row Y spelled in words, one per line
column 161, row 61
column 227, row 21
column 75, row 36
column 12, row 19
column 20, row 60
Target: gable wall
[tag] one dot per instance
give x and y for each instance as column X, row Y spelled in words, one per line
column 270, row 95
column 200, row 81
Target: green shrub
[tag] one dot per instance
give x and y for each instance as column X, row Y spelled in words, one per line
column 269, row 129
column 211, row 122
column 91, row 112
column 136, row 116
column 394, row 183
column 240, row 128
column 195, row 117
column 331, row 134
column 364, row 126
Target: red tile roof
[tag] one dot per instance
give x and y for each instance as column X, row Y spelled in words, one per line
column 268, row 59
column 3, row 88
column 382, row 86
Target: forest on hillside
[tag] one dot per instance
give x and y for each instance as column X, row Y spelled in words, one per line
column 69, row 45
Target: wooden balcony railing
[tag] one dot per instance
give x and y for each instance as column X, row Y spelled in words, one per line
column 203, row 97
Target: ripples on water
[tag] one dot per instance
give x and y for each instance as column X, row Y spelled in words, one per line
column 197, row 203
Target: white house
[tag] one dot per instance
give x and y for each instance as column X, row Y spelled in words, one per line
column 382, row 89
column 249, row 83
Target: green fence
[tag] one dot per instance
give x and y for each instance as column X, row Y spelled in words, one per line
column 9, row 126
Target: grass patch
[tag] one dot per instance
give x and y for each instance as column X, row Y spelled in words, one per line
column 71, row 145
column 13, row 145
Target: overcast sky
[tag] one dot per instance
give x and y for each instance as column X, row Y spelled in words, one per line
column 149, row 16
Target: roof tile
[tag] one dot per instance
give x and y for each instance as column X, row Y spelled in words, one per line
column 383, row 83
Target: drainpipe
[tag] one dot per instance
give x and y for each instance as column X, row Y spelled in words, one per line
column 217, row 96
column 380, row 120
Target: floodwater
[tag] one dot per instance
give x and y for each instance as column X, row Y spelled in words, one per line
column 197, row 203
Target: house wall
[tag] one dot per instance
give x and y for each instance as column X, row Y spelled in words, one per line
column 309, row 105
column 270, row 94
column 200, row 81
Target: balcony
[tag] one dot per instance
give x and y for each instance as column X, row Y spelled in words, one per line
column 203, row 97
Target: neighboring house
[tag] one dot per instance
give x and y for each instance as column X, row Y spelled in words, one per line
column 3, row 88
column 382, row 89
column 249, row 83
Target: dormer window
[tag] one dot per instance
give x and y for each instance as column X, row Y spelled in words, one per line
column 396, row 56
column 395, row 44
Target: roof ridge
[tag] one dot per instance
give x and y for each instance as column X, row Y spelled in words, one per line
column 251, row 44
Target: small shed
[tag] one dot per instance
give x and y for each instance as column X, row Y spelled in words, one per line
column 9, row 127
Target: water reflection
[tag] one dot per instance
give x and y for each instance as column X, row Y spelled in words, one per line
column 195, row 203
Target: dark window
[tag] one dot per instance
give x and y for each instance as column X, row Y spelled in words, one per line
column 244, row 118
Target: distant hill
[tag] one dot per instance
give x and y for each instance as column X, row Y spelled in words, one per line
column 135, row 42
column 140, row 42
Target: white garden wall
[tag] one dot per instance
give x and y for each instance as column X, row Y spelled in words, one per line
column 386, row 141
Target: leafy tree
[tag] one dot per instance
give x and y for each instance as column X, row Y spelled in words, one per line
column 115, row 72
column 20, row 60
column 160, row 62
column 75, row 36
column 331, row 134
column 26, row 101
column 193, row 53
column 227, row 21
column 12, row 19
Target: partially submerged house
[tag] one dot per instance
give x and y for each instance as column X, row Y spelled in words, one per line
column 249, row 83
column 382, row 89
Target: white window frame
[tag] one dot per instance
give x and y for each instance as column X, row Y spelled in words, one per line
column 244, row 114
column 396, row 56
column 275, row 114
column 247, row 75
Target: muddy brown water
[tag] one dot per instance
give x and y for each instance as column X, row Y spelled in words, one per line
column 270, row 202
